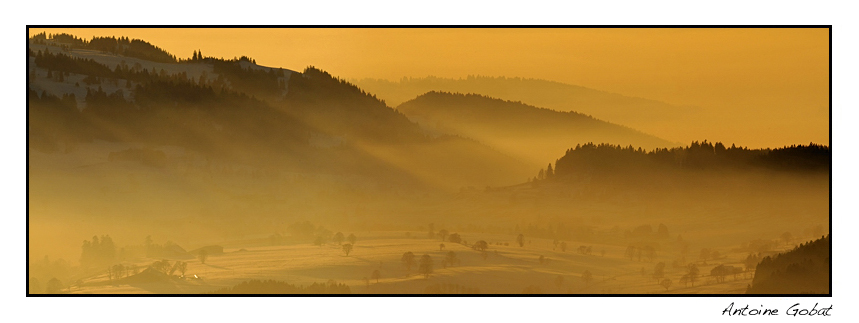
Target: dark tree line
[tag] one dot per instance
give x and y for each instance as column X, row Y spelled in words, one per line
column 558, row 231
column 606, row 158
column 803, row 270
column 65, row 63
column 98, row 252
column 167, row 110
column 339, row 107
column 121, row 46
column 257, row 82
column 186, row 109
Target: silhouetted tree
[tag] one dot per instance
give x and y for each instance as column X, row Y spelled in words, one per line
column 426, row 265
column 751, row 261
column 650, row 252
column 630, row 252
column 450, row 259
column 715, row 255
column 659, row 271
column 408, row 260
column 455, row 238
column 338, row 238
column 684, row 280
column 443, row 233
column 347, row 248
column 376, row 275
column 440, row 246
column 693, row 273
column 161, row 265
column 719, row 273
column 118, row 271
column 203, row 255
column 480, row 245
column 352, row 238
column 705, row 254
column 665, row 283
column 54, row 286
column 520, row 239
column 587, row 277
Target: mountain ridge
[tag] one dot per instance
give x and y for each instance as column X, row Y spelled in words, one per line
column 528, row 132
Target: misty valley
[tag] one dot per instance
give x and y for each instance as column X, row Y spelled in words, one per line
column 153, row 174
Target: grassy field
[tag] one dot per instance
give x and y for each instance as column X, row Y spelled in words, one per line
column 505, row 269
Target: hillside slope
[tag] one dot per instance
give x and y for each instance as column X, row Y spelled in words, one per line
column 532, row 134
column 803, row 270
column 240, row 112
column 654, row 117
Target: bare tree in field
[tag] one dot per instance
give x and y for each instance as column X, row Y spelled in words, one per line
column 630, row 252
column 163, row 265
column 705, row 254
column 203, row 256
column 426, row 265
column 443, row 233
column 480, row 245
column 650, row 252
column 338, row 237
column 587, row 277
column 684, row 280
column 751, row 262
column 693, row 273
column 352, row 238
column 54, row 286
column 347, row 248
column 450, row 259
column 408, row 260
column 659, row 271
column 455, row 238
column 666, row 283
column 715, row 255
column 376, row 275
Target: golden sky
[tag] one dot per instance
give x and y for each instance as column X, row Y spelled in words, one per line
column 761, row 87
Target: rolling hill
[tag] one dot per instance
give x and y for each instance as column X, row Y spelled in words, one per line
column 536, row 135
column 654, row 117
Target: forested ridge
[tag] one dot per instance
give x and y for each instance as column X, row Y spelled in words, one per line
column 698, row 156
column 803, row 270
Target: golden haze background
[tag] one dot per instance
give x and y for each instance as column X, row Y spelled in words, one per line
column 765, row 87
